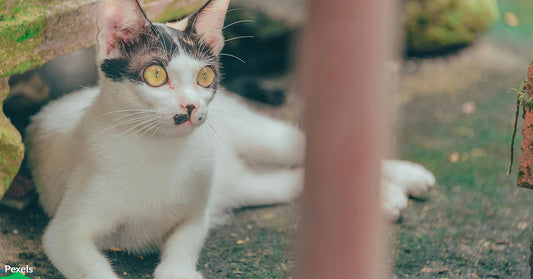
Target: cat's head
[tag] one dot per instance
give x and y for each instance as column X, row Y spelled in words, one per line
column 169, row 72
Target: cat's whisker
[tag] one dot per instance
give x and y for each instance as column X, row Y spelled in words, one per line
column 132, row 114
column 114, row 125
column 156, row 130
column 237, row 22
column 211, row 129
column 228, row 112
column 151, row 126
column 164, row 46
column 231, row 55
column 141, row 130
column 126, row 112
column 239, row 37
column 127, row 132
column 154, row 37
column 226, row 129
column 234, row 9
column 119, row 122
column 218, row 132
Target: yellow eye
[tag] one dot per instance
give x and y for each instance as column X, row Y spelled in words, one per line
column 206, row 77
column 155, row 75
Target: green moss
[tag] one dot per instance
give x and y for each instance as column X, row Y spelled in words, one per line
column 21, row 28
column 24, row 66
column 11, row 152
column 30, row 32
column 438, row 25
column 173, row 13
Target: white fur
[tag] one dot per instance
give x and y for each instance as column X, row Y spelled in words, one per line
column 104, row 189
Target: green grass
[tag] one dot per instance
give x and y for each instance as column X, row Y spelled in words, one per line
column 477, row 220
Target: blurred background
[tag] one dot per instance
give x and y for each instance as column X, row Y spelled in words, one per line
column 459, row 57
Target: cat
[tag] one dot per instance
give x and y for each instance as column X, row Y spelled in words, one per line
column 152, row 157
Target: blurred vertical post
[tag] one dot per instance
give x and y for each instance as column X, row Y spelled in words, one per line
column 345, row 47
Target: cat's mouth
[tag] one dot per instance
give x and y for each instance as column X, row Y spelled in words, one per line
column 191, row 116
column 180, row 124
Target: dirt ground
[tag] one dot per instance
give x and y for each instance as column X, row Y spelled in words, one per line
column 455, row 120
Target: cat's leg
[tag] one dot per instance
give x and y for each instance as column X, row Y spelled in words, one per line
column 69, row 242
column 401, row 179
column 182, row 248
column 273, row 143
column 258, row 139
column 252, row 187
column 268, row 187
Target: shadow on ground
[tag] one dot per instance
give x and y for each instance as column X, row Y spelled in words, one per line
column 256, row 244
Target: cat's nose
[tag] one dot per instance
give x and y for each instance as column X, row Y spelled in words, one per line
column 190, row 109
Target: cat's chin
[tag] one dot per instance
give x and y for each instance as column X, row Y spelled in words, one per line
column 177, row 131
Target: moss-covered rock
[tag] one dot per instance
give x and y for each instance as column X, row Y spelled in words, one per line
column 434, row 26
column 11, row 147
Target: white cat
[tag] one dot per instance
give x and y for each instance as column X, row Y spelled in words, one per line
column 153, row 156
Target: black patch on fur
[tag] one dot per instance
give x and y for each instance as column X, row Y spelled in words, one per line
column 180, row 118
column 115, row 69
column 152, row 46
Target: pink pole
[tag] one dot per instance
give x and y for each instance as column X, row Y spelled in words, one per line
column 345, row 47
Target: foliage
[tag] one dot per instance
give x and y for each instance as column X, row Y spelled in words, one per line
column 435, row 26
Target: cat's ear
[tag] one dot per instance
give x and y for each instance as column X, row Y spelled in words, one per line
column 207, row 23
column 119, row 21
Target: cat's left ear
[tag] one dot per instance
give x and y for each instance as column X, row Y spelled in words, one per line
column 207, row 23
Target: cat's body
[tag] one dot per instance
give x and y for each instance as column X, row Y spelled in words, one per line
column 138, row 163
column 157, row 182
column 132, row 191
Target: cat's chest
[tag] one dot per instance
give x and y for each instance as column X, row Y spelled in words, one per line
column 159, row 174
column 156, row 186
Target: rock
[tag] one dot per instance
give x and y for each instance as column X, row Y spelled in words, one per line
column 11, row 147
column 525, row 167
column 436, row 26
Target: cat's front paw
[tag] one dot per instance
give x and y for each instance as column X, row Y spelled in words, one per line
column 411, row 178
column 171, row 272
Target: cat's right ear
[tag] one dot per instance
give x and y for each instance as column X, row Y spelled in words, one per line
column 207, row 22
column 119, row 21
